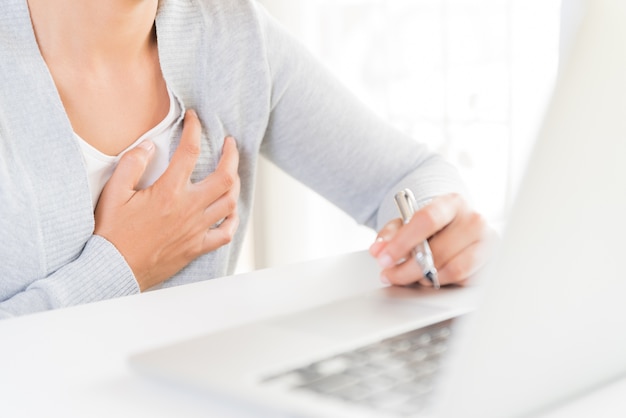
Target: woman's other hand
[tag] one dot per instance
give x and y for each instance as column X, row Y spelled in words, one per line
column 460, row 240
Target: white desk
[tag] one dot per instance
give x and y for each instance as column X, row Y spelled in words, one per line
column 73, row 362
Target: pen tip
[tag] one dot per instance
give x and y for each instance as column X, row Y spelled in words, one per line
column 433, row 279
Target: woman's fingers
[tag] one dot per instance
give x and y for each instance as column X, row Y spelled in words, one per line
column 178, row 173
column 384, row 236
column 223, row 179
column 223, row 207
column 468, row 262
column 122, row 184
column 460, row 239
column 467, row 228
column 425, row 223
column 221, row 235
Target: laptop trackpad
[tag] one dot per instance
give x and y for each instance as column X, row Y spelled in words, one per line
column 380, row 311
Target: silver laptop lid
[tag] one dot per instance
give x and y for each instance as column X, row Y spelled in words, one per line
column 553, row 322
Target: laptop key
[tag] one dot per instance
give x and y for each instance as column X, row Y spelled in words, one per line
column 379, row 383
column 415, row 388
column 363, row 371
column 333, row 365
column 387, row 400
column 329, row 384
column 400, row 375
column 353, row 393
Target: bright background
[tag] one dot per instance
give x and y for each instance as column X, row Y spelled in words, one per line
column 470, row 78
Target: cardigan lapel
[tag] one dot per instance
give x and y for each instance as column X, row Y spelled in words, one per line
column 185, row 70
column 37, row 130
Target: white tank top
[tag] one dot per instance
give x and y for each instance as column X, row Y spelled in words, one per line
column 100, row 166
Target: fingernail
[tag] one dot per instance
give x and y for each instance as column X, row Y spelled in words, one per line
column 147, row 145
column 384, row 279
column 384, row 260
column 377, row 246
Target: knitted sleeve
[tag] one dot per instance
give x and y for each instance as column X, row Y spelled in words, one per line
column 320, row 134
column 100, row 272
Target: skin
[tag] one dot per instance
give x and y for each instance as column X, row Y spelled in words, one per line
column 103, row 58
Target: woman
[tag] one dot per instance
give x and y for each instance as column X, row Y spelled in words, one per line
column 104, row 193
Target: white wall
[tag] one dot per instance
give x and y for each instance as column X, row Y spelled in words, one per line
column 572, row 12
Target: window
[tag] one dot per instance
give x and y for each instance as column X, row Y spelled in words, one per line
column 468, row 77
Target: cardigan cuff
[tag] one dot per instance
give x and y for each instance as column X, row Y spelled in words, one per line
column 99, row 273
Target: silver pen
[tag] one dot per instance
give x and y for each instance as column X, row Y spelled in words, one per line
column 405, row 201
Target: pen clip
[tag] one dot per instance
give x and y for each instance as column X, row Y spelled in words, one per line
column 405, row 201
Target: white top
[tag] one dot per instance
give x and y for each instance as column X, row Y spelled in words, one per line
column 100, row 166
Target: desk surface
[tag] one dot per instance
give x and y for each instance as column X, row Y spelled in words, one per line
column 74, row 362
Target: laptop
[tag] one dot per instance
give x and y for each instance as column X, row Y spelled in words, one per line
column 550, row 321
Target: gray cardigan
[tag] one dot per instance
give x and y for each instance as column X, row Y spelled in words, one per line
column 241, row 72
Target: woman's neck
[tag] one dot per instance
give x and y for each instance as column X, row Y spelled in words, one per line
column 93, row 32
column 103, row 57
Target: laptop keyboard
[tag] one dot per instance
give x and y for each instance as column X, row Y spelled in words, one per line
column 395, row 375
